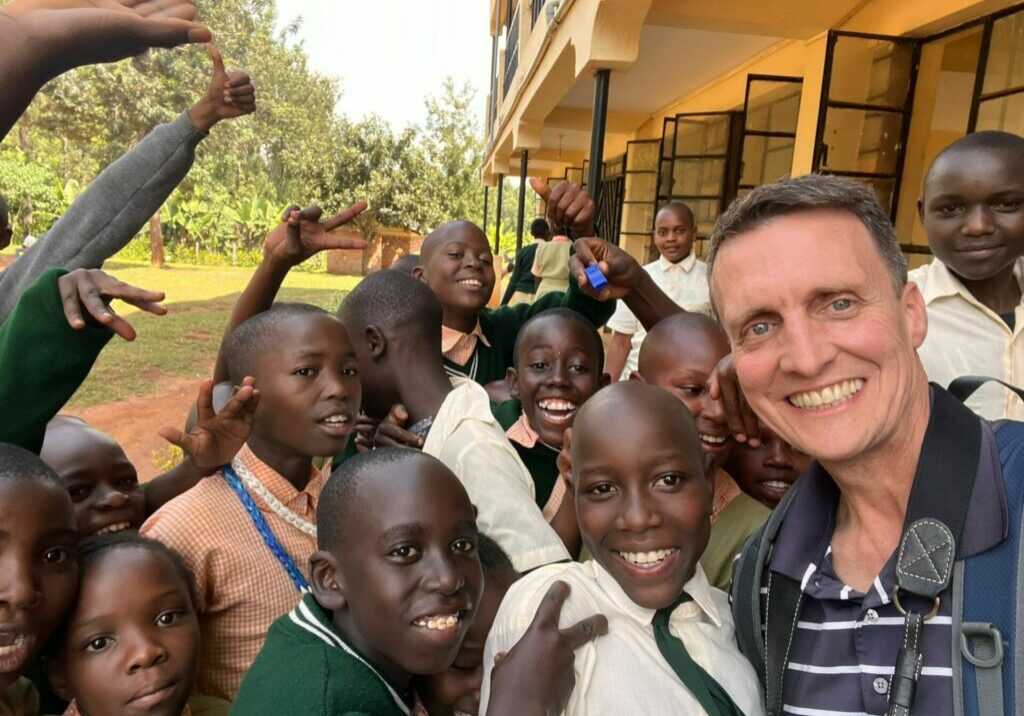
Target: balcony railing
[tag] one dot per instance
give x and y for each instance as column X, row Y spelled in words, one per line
column 538, row 8
column 511, row 51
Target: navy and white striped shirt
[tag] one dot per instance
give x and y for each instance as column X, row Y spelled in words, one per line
column 846, row 642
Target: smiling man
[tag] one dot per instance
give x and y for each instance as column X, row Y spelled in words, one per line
column 825, row 351
column 972, row 209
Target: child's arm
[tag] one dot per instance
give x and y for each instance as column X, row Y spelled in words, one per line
column 41, row 39
column 299, row 236
column 50, row 342
column 127, row 193
column 211, row 443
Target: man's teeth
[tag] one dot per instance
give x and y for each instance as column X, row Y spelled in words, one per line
column 471, row 282
column 647, row 559
column 442, row 622
column 558, row 406
column 117, row 527
column 827, row 397
column 335, row 419
column 713, row 439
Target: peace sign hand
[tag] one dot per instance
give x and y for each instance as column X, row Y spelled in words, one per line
column 302, row 234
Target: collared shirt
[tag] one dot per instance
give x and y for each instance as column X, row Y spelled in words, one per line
column 846, row 642
column 623, row 672
column 685, row 282
column 523, row 433
column 966, row 337
column 458, row 346
column 467, row 438
column 241, row 587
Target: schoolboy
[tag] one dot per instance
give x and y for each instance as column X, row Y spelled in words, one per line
column 247, row 533
column 521, row 284
column 559, row 364
column 972, row 209
column 456, row 690
column 396, row 580
column 680, row 355
column 395, row 324
column 645, row 517
column 678, row 272
column 766, row 472
column 477, row 342
column 38, row 569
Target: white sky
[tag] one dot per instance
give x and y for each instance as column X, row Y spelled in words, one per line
column 390, row 54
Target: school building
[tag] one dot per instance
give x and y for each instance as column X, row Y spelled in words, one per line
column 647, row 101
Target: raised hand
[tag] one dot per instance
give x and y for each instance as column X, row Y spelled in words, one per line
column 620, row 269
column 229, row 95
column 87, row 293
column 569, row 207
column 216, row 437
column 302, row 234
column 725, row 386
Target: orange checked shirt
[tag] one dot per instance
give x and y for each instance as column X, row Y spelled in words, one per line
column 457, row 346
column 241, row 587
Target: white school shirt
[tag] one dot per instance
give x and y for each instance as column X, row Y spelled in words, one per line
column 466, row 437
column 686, row 283
column 966, row 337
column 623, row 672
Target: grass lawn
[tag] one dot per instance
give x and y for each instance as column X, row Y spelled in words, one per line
column 184, row 343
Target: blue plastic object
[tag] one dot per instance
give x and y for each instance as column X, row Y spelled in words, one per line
column 597, row 280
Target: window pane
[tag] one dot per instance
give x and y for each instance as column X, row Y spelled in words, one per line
column 766, row 159
column 861, row 141
column 1005, row 113
column 642, row 156
column 641, row 187
column 705, row 211
column 1005, row 66
column 773, row 106
column 875, row 72
column 698, row 177
column 637, row 218
column 883, row 190
column 574, row 174
column 702, row 135
column 666, row 178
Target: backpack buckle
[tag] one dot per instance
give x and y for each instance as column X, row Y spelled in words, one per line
column 903, row 612
column 985, row 638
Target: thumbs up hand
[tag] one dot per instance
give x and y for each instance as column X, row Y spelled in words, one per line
column 229, row 95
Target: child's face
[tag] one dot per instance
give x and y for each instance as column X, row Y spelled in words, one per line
column 132, row 642
column 673, row 234
column 683, row 366
column 38, row 570
column 643, row 499
column 767, row 472
column 309, row 388
column 460, row 269
column 409, row 570
column 973, row 212
column 102, row 482
column 456, row 690
column 556, row 371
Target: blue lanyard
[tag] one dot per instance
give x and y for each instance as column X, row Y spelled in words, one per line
column 263, row 528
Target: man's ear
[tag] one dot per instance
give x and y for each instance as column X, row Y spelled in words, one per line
column 512, row 378
column 604, row 381
column 325, row 581
column 375, row 342
column 916, row 312
column 53, row 667
column 635, row 375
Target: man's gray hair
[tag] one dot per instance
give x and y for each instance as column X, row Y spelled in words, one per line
column 813, row 192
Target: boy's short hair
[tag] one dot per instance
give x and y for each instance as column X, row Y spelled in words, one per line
column 245, row 344
column 493, row 558
column 93, row 548
column 813, row 192
column 986, row 141
column 676, row 323
column 17, row 463
column 570, row 315
column 439, row 234
column 340, row 489
column 540, row 229
column 395, row 301
column 680, row 207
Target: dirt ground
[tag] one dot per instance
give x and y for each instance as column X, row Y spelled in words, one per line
column 134, row 422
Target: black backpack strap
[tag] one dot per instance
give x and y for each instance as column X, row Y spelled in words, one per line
column 964, row 387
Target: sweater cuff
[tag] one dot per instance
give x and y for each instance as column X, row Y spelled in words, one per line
column 183, row 128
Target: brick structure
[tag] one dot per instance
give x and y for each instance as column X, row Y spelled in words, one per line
column 384, row 248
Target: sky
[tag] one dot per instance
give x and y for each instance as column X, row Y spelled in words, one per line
column 389, row 55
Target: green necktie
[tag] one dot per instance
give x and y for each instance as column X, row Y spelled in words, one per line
column 698, row 682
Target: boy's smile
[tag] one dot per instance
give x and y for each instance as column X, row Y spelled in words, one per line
column 38, row 570
column 767, row 472
column 645, row 511
column 557, row 369
column 459, row 268
column 674, row 232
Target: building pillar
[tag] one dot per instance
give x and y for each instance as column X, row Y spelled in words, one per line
column 486, row 197
column 524, row 160
column 597, row 131
column 497, row 216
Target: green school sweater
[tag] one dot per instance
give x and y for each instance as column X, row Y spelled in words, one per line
column 43, row 360
column 501, row 326
column 305, row 668
column 737, row 521
column 540, row 460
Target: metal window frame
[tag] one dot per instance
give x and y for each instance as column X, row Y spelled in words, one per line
column 755, row 77
column 978, row 96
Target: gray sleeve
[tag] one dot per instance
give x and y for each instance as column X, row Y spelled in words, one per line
column 117, row 204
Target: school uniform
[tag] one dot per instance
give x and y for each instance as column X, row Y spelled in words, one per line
column 540, row 460
column 486, row 353
column 467, row 438
column 965, row 337
column 735, row 516
column 521, row 284
column 306, row 668
column 241, row 585
column 551, row 266
column 627, row 671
